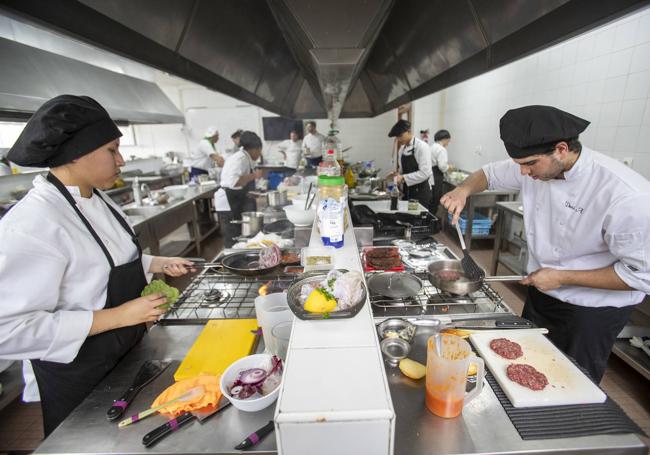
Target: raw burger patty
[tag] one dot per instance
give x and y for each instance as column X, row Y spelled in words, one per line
column 506, row 348
column 382, row 253
column 449, row 275
column 527, row 376
column 384, row 263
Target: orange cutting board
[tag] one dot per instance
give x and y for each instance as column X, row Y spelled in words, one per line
column 218, row 345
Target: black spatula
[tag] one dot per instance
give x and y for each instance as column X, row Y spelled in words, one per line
column 470, row 267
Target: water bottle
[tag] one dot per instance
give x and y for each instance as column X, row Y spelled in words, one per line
column 394, row 196
column 329, row 165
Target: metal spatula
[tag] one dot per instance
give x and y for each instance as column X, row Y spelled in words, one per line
column 470, row 267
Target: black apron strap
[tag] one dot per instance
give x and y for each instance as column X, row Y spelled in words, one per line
column 64, row 191
column 120, row 219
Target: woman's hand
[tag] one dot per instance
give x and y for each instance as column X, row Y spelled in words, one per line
column 133, row 312
column 170, row 266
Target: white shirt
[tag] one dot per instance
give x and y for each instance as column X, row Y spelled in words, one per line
column 293, row 150
column 236, row 166
column 422, row 154
column 54, row 273
column 597, row 216
column 439, row 157
column 200, row 157
column 314, row 142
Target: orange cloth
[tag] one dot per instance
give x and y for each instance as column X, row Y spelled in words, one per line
column 206, row 402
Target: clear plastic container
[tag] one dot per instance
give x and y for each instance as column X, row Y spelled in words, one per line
column 329, row 165
column 317, row 257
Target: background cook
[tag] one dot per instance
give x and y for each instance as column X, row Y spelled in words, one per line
column 71, row 268
column 587, row 229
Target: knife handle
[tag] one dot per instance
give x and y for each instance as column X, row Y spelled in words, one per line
column 120, row 405
column 157, row 434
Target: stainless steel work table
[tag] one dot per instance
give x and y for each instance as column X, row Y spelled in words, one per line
column 482, row 428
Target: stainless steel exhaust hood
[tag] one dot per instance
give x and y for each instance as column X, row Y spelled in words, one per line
column 315, row 58
column 31, row 76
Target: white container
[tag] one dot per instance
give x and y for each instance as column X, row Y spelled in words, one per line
column 230, row 375
column 299, row 200
column 323, row 254
column 300, row 217
column 271, row 310
column 176, row 191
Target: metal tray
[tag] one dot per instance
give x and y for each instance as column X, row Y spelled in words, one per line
column 293, row 298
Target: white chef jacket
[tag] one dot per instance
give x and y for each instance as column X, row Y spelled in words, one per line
column 314, row 142
column 422, row 156
column 200, row 157
column 439, row 157
column 293, row 150
column 237, row 165
column 53, row 273
column 597, row 216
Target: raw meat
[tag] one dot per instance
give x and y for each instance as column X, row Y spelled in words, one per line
column 383, row 258
column 526, row 376
column 506, row 348
column 449, row 275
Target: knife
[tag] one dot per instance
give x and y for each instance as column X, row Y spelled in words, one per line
column 157, row 434
column 147, row 373
column 479, row 324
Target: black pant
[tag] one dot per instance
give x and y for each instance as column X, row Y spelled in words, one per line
column 585, row 333
column 227, row 229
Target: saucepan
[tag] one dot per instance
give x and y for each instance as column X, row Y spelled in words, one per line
column 448, row 275
column 251, row 223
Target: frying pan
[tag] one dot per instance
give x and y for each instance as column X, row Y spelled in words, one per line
column 464, row 285
column 245, row 263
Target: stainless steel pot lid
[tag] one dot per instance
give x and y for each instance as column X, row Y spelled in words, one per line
column 396, row 285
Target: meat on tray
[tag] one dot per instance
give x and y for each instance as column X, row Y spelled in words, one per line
column 526, row 376
column 449, row 275
column 383, row 258
column 506, row 348
column 377, row 253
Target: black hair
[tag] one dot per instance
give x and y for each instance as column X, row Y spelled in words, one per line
column 236, row 134
column 311, row 122
column 249, row 140
column 441, row 134
column 574, row 145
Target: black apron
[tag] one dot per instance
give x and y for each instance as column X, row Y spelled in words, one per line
column 63, row 386
column 438, row 182
column 421, row 191
column 237, row 199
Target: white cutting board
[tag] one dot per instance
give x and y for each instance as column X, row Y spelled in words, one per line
column 567, row 384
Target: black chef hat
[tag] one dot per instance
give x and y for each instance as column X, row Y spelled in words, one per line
column 399, row 128
column 249, row 140
column 530, row 130
column 61, row 130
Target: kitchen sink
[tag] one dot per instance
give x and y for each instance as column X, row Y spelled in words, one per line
column 143, row 211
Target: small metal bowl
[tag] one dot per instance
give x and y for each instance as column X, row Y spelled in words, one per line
column 397, row 328
column 394, row 349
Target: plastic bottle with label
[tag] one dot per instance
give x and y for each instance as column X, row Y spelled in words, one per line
column 329, row 165
column 332, row 204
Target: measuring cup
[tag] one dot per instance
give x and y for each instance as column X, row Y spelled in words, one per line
column 448, row 359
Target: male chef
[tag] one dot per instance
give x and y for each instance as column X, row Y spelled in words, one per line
column 587, row 228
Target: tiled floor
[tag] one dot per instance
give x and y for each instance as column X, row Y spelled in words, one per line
column 21, row 428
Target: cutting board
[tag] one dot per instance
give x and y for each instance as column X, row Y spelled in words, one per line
column 567, row 384
column 218, row 345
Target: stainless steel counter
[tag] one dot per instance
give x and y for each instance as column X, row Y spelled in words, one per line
column 86, row 430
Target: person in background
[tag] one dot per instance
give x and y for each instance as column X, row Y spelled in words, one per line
column 424, row 135
column 312, row 144
column 440, row 163
column 237, row 179
column 235, row 142
column 71, row 267
column 587, row 229
column 291, row 150
column 5, row 165
column 205, row 156
column 414, row 164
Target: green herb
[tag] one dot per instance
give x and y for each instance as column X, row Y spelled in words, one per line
column 330, row 283
column 326, row 315
column 326, row 293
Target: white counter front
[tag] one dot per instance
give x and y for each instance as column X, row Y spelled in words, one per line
column 335, row 397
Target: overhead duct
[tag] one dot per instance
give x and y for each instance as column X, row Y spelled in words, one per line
column 31, row 76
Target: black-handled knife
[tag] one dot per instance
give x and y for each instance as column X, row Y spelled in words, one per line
column 147, row 373
column 163, row 430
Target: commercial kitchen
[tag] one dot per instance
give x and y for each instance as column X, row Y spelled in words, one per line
column 329, row 308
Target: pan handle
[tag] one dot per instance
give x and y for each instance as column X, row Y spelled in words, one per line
column 490, row 279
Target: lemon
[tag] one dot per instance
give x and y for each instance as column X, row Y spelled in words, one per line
column 317, row 302
column 412, row 369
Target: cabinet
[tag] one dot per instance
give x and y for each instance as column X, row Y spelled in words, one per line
column 510, row 247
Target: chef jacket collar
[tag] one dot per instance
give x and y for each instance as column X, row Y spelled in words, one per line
column 581, row 164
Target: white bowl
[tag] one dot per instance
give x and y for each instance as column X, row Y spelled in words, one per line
column 299, row 200
column 176, row 191
column 230, row 375
column 300, row 217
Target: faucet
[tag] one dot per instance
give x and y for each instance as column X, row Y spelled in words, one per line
column 137, row 195
column 146, row 192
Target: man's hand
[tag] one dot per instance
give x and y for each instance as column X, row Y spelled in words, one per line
column 544, row 279
column 454, row 202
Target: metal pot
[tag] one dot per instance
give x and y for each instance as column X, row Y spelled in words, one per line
column 251, row 223
column 463, row 285
column 277, row 198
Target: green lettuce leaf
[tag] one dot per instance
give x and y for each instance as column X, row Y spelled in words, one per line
column 171, row 293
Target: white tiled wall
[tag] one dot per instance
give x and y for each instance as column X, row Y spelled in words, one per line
column 602, row 76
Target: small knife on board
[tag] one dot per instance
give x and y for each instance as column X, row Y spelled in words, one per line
column 490, row 324
column 147, row 373
column 163, row 430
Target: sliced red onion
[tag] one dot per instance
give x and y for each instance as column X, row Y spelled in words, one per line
column 252, row 376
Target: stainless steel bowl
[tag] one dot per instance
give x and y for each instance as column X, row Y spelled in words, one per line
column 397, row 328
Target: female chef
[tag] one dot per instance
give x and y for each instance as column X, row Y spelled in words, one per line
column 414, row 164
column 237, row 179
column 71, row 268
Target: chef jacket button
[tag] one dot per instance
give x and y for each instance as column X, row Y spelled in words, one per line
column 561, row 223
